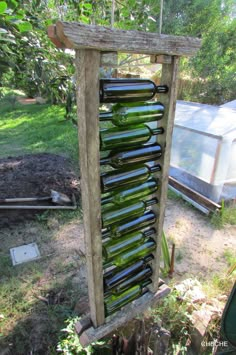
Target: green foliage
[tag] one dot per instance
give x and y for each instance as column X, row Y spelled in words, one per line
column 173, row 314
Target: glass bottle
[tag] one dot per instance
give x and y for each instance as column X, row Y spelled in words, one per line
column 136, row 278
column 129, row 90
column 115, row 276
column 114, row 247
column 138, row 174
column 113, row 215
column 135, row 253
column 113, row 138
column 121, row 196
column 146, row 220
column 114, row 302
column 133, row 113
column 121, row 159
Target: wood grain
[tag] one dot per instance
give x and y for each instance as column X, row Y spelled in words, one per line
column 87, row 65
column 122, row 317
column 169, row 78
column 77, row 35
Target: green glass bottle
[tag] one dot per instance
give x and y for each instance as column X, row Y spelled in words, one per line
column 113, row 215
column 114, row 302
column 115, row 179
column 141, row 155
column 133, row 280
column 135, row 253
column 129, row 90
column 133, row 113
column 115, row 276
column 115, row 231
column 113, row 247
column 132, row 136
column 121, row 196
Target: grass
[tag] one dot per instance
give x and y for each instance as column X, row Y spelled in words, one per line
column 29, row 129
column 226, row 216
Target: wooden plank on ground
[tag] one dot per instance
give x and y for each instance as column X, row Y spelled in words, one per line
column 169, row 78
column 77, row 35
column 87, row 65
column 194, row 195
column 120, row 318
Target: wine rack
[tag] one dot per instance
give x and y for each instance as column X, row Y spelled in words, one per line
column 92, row 44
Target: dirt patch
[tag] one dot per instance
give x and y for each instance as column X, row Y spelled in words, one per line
column 34, row 175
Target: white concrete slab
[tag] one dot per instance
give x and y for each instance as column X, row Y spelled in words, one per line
column 24, row 253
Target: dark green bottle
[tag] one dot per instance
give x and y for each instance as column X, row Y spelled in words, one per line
column 113, row 215
column 115, row 179
column 133, row 113
column 129, row 90
column 115, row 276
column 121, row 196
column 114, row 302
column 133, row 280
column 141, row 155
column 132, row 136
column 135, row 253
column 114, row 247
column 146, row 220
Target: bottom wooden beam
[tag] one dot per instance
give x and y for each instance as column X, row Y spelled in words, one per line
column 120, row 318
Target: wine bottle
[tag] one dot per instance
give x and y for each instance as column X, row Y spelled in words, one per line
column 113, row 303
column 132, row 136
column 129, row 90
column 115, row 276
column 135, row 253
column 135, row 192
column 116, row 179
column 114, row 247
column 140, row 276
column 121, row 159
column 113, row 215
column 130, row 225
column 133, row 113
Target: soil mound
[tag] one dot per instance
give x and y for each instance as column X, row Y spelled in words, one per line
column 34, row 176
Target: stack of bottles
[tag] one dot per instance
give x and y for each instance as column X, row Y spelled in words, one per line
column 129, row 237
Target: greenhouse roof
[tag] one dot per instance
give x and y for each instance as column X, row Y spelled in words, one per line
column 211, row 120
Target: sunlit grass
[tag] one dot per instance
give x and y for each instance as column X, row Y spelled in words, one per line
column 33, row 129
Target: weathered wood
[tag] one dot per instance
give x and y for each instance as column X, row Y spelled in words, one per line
column 77, row 35
column 53, row 37
column 120, row 318
column 82, row 325
column 160, row 59
column 169, row 78
column 87, row 64
column 194, row 195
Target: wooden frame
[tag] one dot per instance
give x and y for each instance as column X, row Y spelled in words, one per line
column 90, row 42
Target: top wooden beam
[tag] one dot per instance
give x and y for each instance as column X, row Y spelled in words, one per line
column 76, row 35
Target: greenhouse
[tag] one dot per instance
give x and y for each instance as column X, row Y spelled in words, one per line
column 204, row 149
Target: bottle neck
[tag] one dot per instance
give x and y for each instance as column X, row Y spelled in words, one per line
column 146, row 283
column 155, row 168
column 162, row 89
column 151, row 202
column 105, row 116
column 149, row 232
column 148, row 258
column 156, row 131
column 106, row 200
column 104, row 161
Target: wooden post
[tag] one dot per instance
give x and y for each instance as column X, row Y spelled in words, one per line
column 87, row 64
column 169, row 78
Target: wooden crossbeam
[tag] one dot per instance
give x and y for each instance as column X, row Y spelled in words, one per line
column 80, row 36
